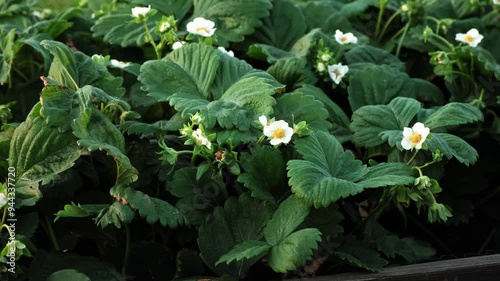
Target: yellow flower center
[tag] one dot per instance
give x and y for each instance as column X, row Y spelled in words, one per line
column 468, row 38
column 337, row 73
column 415, row 138
column 343, row 38
column 204, row 29
column 279, row 133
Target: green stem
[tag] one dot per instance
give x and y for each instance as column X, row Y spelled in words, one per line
column 259, row 141
column 339, row 53
column 412, row 158
column 400, row 44
column 8, row 229
column 382, row 5
column 448, row 44
column 487, row 241
column 70, row 78
column 127, row 250
column 151, row 41
column 384, row 29
column 4, row 215
column 51, row 233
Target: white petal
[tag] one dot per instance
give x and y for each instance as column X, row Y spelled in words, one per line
column 418, row 127
column 473, row 32
column 263, row 120
column 460, row 37
column 407, row 132
column 406, row 144
column 268, row 131
column 275, row 141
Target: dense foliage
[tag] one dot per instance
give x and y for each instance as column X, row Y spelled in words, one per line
column 256, row 140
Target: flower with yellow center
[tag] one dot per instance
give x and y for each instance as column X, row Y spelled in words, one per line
column 346, row 38
column 337, row 72
column 278, row 132
column 414, row 137
column 496, row 2
column 139, row 12
column 202, row 27
column 472, row 37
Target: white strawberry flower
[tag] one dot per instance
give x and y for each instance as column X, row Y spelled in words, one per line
column 414, row 137
column 496, row 2
column 229, row 52
column 337, row 72
column 119, row 64
column 202, row 27
column 201, row 139
column 3, row 200
column 178, row 45
column 472, row 37
column 346, row 38
column 278, row 132
column 139, row 12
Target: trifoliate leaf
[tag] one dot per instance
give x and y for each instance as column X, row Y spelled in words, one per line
column 150, row 208
column 246, row 250
column 296, row 107
column 327, row 173
column 264, row 173
column 238, row 221
column 391, row 245
column 290, row 214
column 293, row 251
column 453, row 146
column 454, row 113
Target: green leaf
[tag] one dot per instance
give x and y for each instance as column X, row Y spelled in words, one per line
column 358, row 253
column 116, row 214
column 39, row 152
column 150, row 208
column 233, row 19
column 154, row 129
column 7, row 55
column 198, row 197
column 453, row 146
column 385, row 174
column 293, row 251
column 296, row 107
column 72, row 69
column 378, row 84
column 119, row 26
column 290, row 214
column 327, row 173
column 357, row 7
column 454, row 113
column 229, row 72
column 373, row 124
column 238, row 221
column 292, row 72
column 391, row 245
column 68, row 274
column 284, row 26
column 336, row 114
column 326, row 220
column 45, row 263
column 265, row 173
column 370, row 54
column 79, row 211
column 246, row 250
